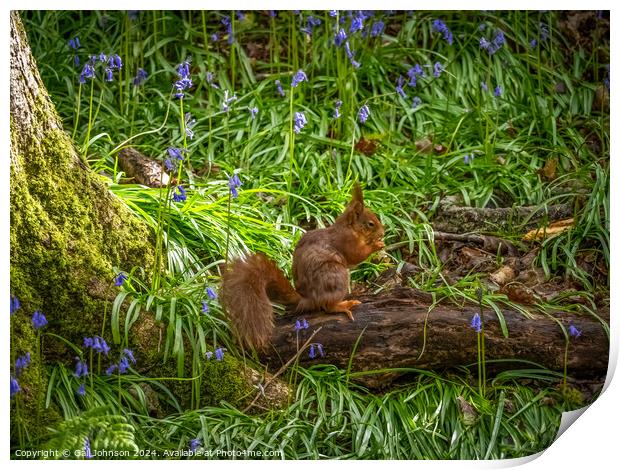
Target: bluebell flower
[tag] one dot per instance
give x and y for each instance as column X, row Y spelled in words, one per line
column 120, row 279
column 544, row 32
column 377, row 28
column 81, row 391
column 236, row 182
column 304, row 324
column 399, row 86
column 209, row 77
column 299, row 121
column 38, row 320
column 416, row 102
column 312, row 353
column 140, row 77
column 297, row 325
column 209, row 355
column 484, row 86
column 184, row 82
column 109, row 76
column 341, row 37
column 533, row 43
column 175, row 153
column 219, row 354
column 226, row 22
column 205, row 307
column 74, row 43
column 351, row 55
column 468, row 159
column 102, row 57
column 21, row 363
column 226, row 102
column 498, row 91
column 81, row 368
column 357, row 23
column 123, row 365
column 476, row 323
column 413, row 73
column 194, row 444
column 215, row 37
column 115, row 62
column 14, row 304
column 179, row 195
column 99, row 345
column 240, row 15
column 437, row 69
column 88, row 71
column 574, row 331
column 299, row 77
column 279, row 88
column 319, row 346
column 110, row 370
column 440, row 27
column 128, row 353
column 253, row 112
column 493, row 46
column 337, row 109
column 15, row 388
column 76, row 61
column 170, row 165
column 189, row 123
column 333, row 13
column 272, row 13
column 363, row 113
column 482, row 26
column 87, row 453
column 233, row 184
column 311, row 23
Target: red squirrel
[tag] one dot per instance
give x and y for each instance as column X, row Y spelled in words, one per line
column 321, row 263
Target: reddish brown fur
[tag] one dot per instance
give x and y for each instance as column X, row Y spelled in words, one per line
column 321, row 263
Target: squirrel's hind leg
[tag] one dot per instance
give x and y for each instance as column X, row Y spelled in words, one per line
column 343, row 306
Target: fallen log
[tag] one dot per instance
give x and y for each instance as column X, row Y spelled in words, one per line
column 396, row 329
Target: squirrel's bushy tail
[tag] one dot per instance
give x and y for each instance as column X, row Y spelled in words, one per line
column 248, row 288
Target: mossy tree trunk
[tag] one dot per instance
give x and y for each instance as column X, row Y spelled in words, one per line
column 68, row 235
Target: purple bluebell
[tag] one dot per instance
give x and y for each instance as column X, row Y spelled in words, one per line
column 319, row 346
column 120, row 279
column 297, row 325
column 333, row 13
column 81, row 368
column 87, row 453
column 189, row 123
column 399, row 86
column 219, row 354
column 123, row 365
column 226, row 22
column 240, row 15
column 226, row 101
column 140, row 77
column 205, row 307
column 38, row 320
column 338, row 104
column 74, row 43
column 273, row 13
column 484, row 86
column 377, row 28
column 236, row 182
column 476, row 323
column 88, row 71
column 194, row 444
column 209, row 77
column 14, row 304
column 209, row 355
column 363, row 113
column 544, row 32
column 21, row 363
column 299, row 77
column 416, row 102
column 413, row 73
column 437, row 69
column 102, row 57
column 109, row 76
column 304, row 324
column 493, row 46
column 179, row 195
column 76, row 61
column 482, row 26
column 469, row 159
column 440, row 27
column 233, row 184
column 175, row 153
column 498, row 91
column 253, row 112
column 15, row 388
column 357, row 24
column 351, row 55
column 115, row 62
column 574, row 331
column 215, row 37
column 311, row 23
column 533, row 43
column 312, row 352
column 81, row 391
column 299, row 121
column 279, row 88
column 184, row 82
column 128, row 353
column 340, row 38
column 110, row 370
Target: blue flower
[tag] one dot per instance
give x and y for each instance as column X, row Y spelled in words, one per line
column 236, row 182
column 312, row 353
column 102, row 58
column 304, row 324
column 301, row 325
column 15, row 388
column 341, row 37
column 184, row 82
column 363, row 113
column 498, row 91
column 123, row 365
column 319, row 346
column 175, row 153
column 311, row 23
column 351, row 55
column 38, row 320
column 337, row 109
column 233, row 184
column 413, row 73
column 81, row 368
column 314, row 347
column 87, row 453
column 437, row 69
column 333, row 13
column 226, row 22
column 299, row 122
column 81, row 391
column 179, row 196
column 140, row 77
column 120, row 279
column 115, row 62
column 219, row 354
column 377, row 28
column 215, row 37
column 440, row 27
column 74, row 43
column 189, row 123
column 88, row 71
column 357, row 23
column 399, row 86
column 98, row 344
column 493, row 46
column 194, row 444
column 14, row 304
column 110, row 370
column 21, row 363
column 533, row 43
column 253, row 112
column 272, row 13
column 484, row 86
column 574, row 331
column 128, row 353
column 226, row 102
column 468, row 159
column 544, row 32
column 209, row 77
column 76, row 61
column 416, row 102
column 299, row 77
column 209, row 354
column 205, row 307
column 476, row 323
column 240, row 15
column 109, row 76
column 279, row 87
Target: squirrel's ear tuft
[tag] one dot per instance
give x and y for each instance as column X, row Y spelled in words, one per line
column 356, row 194
column 353, row 211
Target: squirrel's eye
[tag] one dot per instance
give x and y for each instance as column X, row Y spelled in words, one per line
column 370, row 223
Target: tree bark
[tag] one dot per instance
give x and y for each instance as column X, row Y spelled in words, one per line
column 399, row 329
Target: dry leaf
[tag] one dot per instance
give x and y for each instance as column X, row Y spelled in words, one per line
column 424, row 145
column 546, row 232
column 548, row 172
column 503, row 275
column 366, row 146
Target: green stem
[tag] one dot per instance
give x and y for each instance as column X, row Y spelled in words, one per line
column 90, row 117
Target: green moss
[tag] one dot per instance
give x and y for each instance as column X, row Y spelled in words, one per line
column 225, row 381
